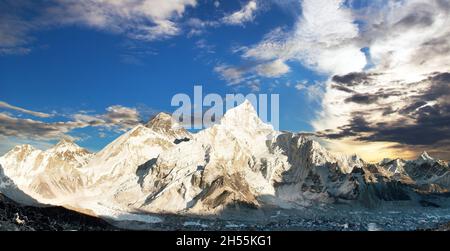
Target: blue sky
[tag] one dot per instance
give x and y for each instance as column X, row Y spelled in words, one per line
column 77, row 68
column 98, row 68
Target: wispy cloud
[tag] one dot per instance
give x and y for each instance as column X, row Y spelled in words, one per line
column 323, row 39
column 14, row 31
column 115, row 119
column 314, row 91
column 146, row 20
column 35, row 129
column 410, row 38
column 272, row 69
column 235, row 75
column 5, row 105
column 242, row 16
column 198, row 27
column 205, row 47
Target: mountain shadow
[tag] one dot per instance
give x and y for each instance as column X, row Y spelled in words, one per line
column 11, row 190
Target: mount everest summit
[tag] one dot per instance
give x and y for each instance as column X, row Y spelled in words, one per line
column 240, row 162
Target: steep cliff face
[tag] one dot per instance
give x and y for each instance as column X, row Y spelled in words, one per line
column 242, row 161
column 425, row 174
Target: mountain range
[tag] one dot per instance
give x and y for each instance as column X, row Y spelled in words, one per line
column 240, row 162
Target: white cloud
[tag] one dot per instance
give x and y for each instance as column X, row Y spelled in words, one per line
column 198, row 26
column 246, row 14
column 241, row 75
column 117, row 117
column 203, row 45
column 5, row 105
column 301, row 85
column 410, row 38
column 273, row 69
column 254, row 85
column 144, row 19
column 324, row 39
column 233, row 75
column 314, row 92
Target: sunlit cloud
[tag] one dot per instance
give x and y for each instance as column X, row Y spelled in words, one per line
column 4, row 105
column 244, row 15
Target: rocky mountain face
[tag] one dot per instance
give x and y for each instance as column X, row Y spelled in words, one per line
column 425, row 175
column 240, row 162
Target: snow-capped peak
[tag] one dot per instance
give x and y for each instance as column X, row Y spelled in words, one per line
column 66, row 143
column 161, row 120
column 67, row 146
column 165, row 124
column 244, row 116
column 425, row 158
column 20, row 152
column 393, row 165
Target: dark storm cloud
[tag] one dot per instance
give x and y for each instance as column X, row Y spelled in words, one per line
column 442, row 78
column 357, row 125
column 367, row 98
column 440, row 87
column 362, row 99
column 412, row 107
column 432, row 125
column 342, row 88
column 352, row 79
column 387, row 111
column 423, row 123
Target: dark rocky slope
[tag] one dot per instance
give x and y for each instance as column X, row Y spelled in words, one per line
column 16, row 217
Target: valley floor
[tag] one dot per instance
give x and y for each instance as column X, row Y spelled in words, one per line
column 431, row 212
column 326, row 219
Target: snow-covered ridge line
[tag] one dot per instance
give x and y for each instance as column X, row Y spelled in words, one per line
column 241, row 161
